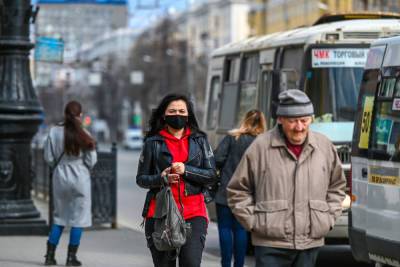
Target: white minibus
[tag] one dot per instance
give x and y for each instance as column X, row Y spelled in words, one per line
column 374, row 218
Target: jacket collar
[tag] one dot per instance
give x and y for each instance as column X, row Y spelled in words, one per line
column 278, row 140
column 158, row 137
column 193, row 149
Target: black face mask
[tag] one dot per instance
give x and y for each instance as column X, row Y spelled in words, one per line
column 176, row 121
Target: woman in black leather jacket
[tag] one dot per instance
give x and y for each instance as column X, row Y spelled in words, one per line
column 177, row 153
column 232, row 236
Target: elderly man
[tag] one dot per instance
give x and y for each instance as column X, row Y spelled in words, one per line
column 288, row 187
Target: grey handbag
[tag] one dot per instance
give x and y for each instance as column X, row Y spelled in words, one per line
column 170, row 229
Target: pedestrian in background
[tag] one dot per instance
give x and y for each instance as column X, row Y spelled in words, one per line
column 232, row 236
column 176, row 152
column 70, row 152
column 288, row 187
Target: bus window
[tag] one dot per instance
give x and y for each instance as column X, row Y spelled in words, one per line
column 386, row 131
column 250, row 68
column 232, row 68
column 316, row 80
column 369, row 84
column 293, row 58
column 387, row 87
column 289, row 79
column 364, row 112
column 386, row 128
column 230, row 92
column 266, row 96
column 248, row 85
column 334, row 91
column 228, row 105
column 335, row 75
column 397, row 89
column 213, row 105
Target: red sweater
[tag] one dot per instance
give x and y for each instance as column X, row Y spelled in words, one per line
column 296, row 149
column 194, row 205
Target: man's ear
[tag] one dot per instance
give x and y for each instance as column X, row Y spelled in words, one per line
column 278, row 120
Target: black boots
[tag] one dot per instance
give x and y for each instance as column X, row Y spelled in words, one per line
column 71, row 258
column 50, row 255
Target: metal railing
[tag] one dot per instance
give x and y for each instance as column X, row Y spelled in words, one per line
column 103, row 181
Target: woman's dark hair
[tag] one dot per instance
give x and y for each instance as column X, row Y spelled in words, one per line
column 75, row 137
column 157, row 122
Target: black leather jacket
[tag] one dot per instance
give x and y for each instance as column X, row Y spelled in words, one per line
column 155, row 157
column 227, row 156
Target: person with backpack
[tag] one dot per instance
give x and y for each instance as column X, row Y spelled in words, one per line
column 176, row 153
column 70, row 152
column 232, row 236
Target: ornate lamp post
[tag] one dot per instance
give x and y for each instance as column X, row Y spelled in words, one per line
column 19, row 120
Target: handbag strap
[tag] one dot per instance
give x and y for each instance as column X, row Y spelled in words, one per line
column 52, row 152
column 180, row 199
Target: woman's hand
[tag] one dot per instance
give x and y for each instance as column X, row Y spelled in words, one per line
column 166, row 172
column 173, row 178
column 178, row 167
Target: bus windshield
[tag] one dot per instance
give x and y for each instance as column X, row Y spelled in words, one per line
column 333, row 82
column 334, row 92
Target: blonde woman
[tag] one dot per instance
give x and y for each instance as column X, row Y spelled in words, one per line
column 232, row 236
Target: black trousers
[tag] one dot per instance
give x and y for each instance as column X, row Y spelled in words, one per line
column 279, row 257
column 190, row 253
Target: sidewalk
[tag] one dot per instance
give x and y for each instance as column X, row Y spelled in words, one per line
column 104, row 247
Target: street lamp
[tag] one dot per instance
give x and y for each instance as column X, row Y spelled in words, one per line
column 20, row 116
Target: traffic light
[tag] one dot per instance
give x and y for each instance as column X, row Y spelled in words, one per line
column 87, row 120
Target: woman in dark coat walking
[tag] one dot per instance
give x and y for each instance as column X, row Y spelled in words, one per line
column 232, row 236
column 177, row 153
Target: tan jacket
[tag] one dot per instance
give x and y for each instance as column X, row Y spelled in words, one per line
column 285, row 202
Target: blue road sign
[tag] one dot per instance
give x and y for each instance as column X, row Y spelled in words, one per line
column 49, row 49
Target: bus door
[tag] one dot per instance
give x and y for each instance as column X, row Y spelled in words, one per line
column 359, row 158
column 288, row 68
column 230, row 94
column 266, row 85
column 248, row 85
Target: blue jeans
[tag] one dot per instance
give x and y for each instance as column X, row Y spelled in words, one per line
column 56, row 231
column 232, row 237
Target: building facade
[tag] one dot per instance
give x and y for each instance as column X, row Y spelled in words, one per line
column 212, row 24
column 77, row 25
column 377, row 5
column 268, row 16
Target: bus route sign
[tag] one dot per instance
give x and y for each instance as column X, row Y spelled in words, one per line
column 339, row 57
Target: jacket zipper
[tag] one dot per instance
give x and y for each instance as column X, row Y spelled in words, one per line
column 186, row 192
column 195, row 157
column 294, row 206
column 198, row 174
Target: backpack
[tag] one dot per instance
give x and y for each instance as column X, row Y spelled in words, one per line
column 170, row 229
